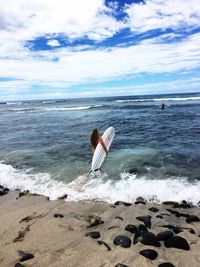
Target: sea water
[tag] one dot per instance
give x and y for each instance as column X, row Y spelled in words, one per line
column 45, row 147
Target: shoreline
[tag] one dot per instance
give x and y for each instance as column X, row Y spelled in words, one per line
column 95, row 233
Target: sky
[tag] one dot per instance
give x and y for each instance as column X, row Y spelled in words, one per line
column 89, row 48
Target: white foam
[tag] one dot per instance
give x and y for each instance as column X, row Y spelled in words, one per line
column 127, row 188
column 72, row 108
column 160, row 99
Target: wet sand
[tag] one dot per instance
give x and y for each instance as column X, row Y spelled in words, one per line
column 58, row 233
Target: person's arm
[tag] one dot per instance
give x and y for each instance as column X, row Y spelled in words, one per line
column 103, row 145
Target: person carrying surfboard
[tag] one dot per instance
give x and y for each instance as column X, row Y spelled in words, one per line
column 95, row 138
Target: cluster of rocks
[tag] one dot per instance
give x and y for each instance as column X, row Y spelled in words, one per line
column 142, row 232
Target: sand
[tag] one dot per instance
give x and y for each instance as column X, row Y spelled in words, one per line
column 54, row 233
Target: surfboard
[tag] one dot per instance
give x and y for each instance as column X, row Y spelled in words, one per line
column 100, row 154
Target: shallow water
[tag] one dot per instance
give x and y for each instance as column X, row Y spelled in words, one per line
column 45, row 147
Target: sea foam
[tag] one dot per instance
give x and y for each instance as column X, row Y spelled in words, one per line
column 127, row 188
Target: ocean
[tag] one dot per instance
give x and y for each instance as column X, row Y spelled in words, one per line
column 45, row 147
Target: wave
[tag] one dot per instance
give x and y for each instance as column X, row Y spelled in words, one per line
column 72, row 108
column 128, row 188
column 160, row 99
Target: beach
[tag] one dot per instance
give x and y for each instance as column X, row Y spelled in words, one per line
column 92, row 233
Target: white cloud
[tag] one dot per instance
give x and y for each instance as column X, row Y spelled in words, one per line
column 162, row 14
column 53, row 43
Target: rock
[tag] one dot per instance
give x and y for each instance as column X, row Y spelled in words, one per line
column 192, row 218
column 25, row 256
column 164, row 235
column 93, row 220
column 150, row 239
column 63, row 197
column 122, row 241
column 131, row 228
column 146, row 220
column 192, row 231
column 149, row 253
column 159, row 216
column 121, row 265
column 153, row 209
column 93, row 235
column 21, row 234
column 113, row 227
column 166, row 264
column 177, row 214
column 133, row 171
column 170, row 203
column 24, row 193
column 139, row 233
column 19, row 265
column 176, row 229
column 119, row 217
column 2, row 193
column 140, row 200
column 101, row 242
column 177, row 242
column 117, row 203
column 58, row 215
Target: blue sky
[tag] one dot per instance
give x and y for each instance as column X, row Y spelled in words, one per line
column 85, row 48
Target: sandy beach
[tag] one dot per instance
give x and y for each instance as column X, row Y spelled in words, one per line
column 37, row 232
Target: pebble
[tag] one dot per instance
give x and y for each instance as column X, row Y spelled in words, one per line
column 192, row 218
column 159, row 216
column 149, row 253
column 146, row 220
column 164, row 235
column 26, row 257
column 140, row 200
column 131, row 228
column 93, row 235
column 117, row 203
column 58, row 215
column 166, row 264
column 150, row 239
column 121, row 265
column 119, row 217
column 122, row 241
column 177, row 242
column 153, row 209
column 101, row 242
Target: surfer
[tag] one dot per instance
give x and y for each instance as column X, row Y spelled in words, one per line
column 95, row 138
column 163, row 106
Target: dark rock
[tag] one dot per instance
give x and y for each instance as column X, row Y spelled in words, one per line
column 192, row 231
column 159, row 216
column 113, row 227
column 58, row 215
column 119, row 217
column 177, row 242
column 131, row 228
column 93, row 220
column 101, row 242
column 122, row 241
column 139, row 233
column 121, row 265
column 93, row 235
column 133, row 171
column 170, row 203
column 164, row 235
column 166, row 264
column 192, row 218
column 26, row 257
column 176, row 229
column 146, row 220
column 117, row 203
column 140, row 200
column 177, row 214
column 63, row 197
column 2, row 193
column 153, row 209
column 24, row 193
column 6, row 189
column 19, row 265
column 150, row 239
column 149, row 253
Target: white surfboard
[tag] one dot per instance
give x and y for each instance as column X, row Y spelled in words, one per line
column 100, row 154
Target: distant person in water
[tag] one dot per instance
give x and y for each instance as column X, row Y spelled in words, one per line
column 95, row 138
column 163, row 106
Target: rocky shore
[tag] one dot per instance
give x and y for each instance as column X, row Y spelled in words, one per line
column 37, row 232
